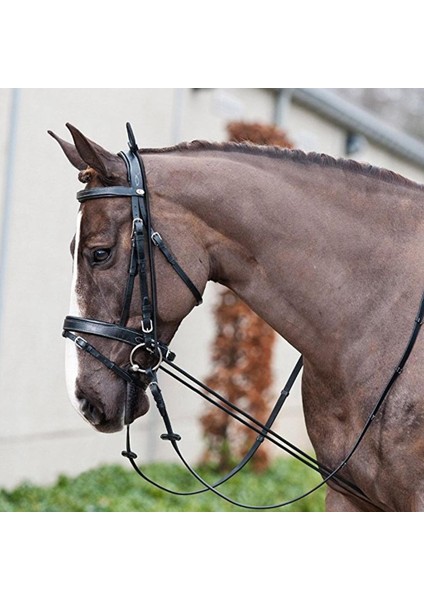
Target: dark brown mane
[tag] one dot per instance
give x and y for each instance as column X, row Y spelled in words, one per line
column 295, row 155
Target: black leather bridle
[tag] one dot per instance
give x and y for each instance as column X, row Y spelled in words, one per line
column 143, row 238
column 142, row 265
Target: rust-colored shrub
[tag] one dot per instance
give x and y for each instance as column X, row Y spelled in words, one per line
column 257, row 133
column 242, row 352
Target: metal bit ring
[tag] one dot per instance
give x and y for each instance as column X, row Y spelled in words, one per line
column 136, row 367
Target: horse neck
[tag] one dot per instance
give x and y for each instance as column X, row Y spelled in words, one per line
column 322, row 254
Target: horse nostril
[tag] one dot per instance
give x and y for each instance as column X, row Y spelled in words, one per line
column 91, row 412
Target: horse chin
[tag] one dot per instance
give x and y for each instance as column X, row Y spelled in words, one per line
column 131, row 410
column 142, row 406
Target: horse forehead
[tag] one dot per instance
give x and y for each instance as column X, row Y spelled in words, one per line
column 101, row 218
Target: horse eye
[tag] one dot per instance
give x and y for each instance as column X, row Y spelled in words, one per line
column 100, row 255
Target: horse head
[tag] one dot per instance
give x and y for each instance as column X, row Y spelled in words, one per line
column 103, row 254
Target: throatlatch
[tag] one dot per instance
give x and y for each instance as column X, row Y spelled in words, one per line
column 142, row 265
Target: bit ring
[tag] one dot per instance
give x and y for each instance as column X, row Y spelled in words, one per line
column 136, row 367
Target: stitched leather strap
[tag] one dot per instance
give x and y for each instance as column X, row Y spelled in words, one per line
column 87, row 347
column 113, row 191
column 158, row 241
column 111, row 331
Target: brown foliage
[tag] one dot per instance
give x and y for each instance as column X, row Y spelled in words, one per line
column 257, row 133
column 242, row 352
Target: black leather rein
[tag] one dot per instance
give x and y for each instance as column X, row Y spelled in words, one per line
column 144, row 239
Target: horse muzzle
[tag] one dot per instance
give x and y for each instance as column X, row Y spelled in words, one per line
column 121, row 403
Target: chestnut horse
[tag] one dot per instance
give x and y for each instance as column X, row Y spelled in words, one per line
column 329, row 252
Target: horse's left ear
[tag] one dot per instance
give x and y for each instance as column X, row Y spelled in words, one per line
column 107, row 165
column 70, row 152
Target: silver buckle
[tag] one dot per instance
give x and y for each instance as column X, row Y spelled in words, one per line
column 81, row 342
column 156, row 238
column 148, row 329
column 135, row 221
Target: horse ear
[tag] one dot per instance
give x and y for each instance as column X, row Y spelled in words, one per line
column 106, row 164
column 70, row 152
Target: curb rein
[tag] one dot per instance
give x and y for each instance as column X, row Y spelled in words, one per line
column 159, row 353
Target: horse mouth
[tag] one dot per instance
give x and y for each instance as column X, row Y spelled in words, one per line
column 111, row 415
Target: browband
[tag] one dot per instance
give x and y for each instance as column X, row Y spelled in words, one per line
column 105, row 192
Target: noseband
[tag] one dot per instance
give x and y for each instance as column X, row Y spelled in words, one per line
column 142, row 265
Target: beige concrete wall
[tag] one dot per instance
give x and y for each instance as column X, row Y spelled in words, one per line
column 40, row 434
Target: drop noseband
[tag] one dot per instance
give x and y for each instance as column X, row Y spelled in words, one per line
column 144, row 239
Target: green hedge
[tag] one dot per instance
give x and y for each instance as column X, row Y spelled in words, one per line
column 118, row 489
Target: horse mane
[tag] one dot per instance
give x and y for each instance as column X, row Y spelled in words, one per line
column 295, row 155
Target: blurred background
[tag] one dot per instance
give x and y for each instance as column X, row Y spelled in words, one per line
column 41, row 436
